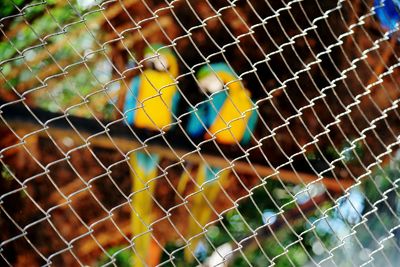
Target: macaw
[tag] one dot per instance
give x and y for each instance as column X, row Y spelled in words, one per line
column 150, row 103
column 388, row 13
column 229, row 115
column 153, row 96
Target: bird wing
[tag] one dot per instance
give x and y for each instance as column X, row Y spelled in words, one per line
column 175, row 102
column 206, row 114
column 216, row 103
column 197, row 118
column 251, row 125
column 131, row 100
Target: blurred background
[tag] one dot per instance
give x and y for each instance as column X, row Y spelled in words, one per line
column 316, row 185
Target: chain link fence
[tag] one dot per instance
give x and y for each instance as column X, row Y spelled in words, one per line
column 199, row 133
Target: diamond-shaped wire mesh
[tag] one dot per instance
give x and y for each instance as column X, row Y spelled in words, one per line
column 199, row 133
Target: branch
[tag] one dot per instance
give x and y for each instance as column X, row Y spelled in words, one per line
column 127, row 144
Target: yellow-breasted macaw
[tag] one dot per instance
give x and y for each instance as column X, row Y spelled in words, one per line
column 230, row 116
column 153, row 96
column 150, row 103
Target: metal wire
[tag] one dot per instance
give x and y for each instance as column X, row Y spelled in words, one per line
column 79, row 228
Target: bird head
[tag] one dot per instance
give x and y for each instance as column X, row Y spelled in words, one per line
column 213, row 77
column 161, row 58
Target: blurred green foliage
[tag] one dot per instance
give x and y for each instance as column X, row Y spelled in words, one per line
column 32, row 29
column 6, row 173
column 8, row 8
column 119, row 256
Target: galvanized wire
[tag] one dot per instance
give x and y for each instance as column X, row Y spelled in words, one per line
column 100, row 49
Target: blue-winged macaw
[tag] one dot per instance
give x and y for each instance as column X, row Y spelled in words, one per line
column 387, row 12
column 150, row 103
column 153, row 96
column 230, row 116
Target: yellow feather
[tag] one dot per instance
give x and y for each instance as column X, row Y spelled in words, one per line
column 231, row 121
column 142, row 204
column 173, row 65
column 155, row 100
column 200, row 209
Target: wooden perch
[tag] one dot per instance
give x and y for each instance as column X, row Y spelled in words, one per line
column 126, row 145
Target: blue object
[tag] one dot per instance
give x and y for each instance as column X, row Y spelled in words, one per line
column 175, row 102
column 387, row 12
column 147, row 162
column 207, row 112
column 251, row 124
column 131, row 99
column 211, row 172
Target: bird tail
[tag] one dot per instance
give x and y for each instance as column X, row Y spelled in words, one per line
column 200, row 210
column 144, row 169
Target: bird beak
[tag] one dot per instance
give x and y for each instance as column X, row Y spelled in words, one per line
column 211, row 84
column 158, row 63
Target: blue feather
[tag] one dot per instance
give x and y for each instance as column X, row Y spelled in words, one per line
column 387, row 12
column 215, row 105
column 130, row 100
column 211, row 173
column 175, row 102
column 251, row 124
column 147, row 162
column 195, row 128
column 207, row 114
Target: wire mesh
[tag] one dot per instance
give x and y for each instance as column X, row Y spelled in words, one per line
column 199, row 133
